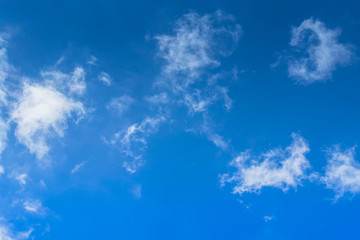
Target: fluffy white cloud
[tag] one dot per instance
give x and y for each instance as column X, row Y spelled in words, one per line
column 342, row 171
column 120, row 104
column 323, row 52
column 279, row 168
column 41, row 112
column 2, row 170
column 133, row 141
column 105, row 78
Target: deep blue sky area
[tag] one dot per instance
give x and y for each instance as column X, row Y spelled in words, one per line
column 179, row 119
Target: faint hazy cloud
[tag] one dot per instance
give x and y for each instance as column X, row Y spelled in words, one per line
column 136, row 191
column 72, row 83
column 8, row 233
column 34, row 206
column 133, row 141
column 77, row 167
column 105, row 78
column 161, row 98
column 92, row 60
column 2, row 170
column 120, row 104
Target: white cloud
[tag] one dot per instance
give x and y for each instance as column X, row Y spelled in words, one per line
column 342, row 171
column 218, row 140
column 197, row 44
column 77, row 167
column 60, row 60
column 77, row 83
column 21, row 178
column 279, row 168
column 215, row 138
column 161, row 98
column 199, row 100
column 42, row 183
column 197, row 103
column 105, row 78
column 34, row 207
column 323, row 52
column 133, row 141
column 41, row 112
column 93, row 60
column 194, row 44
column 72, row 83
column 4, row 126
column 5, row 70
column 7, row 233
column 120, row 104
column 2, row 171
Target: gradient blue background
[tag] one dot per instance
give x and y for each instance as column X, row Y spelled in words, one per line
column 181, row 197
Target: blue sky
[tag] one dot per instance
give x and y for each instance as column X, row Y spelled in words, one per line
column 179, row 120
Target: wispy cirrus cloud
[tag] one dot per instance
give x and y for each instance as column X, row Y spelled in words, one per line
column 72, row 83
column 161, row 98
column 278, row 168
column 196, row 45
column 132, row 142
column 105, row 78
column 342, row 173
column 319, row 52
column 196, row 42
column 77, row 167
column 5, row 70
